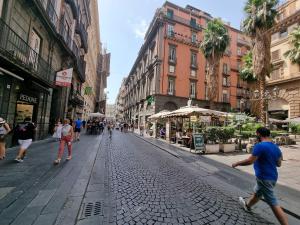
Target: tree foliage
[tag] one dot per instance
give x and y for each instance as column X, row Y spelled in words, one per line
column 294, row 53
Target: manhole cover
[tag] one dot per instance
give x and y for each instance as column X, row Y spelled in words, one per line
column 91, row 209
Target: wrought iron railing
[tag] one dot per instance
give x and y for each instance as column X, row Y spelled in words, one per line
column 18, row 51
column 50, row 11
column 83, row 34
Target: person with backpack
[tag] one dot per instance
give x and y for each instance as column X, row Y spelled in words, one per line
column 4, row 130
column 24, row 132
column 66, row 138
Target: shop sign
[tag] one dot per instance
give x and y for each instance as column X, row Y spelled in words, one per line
column 193, row 119
column 198, row 142
column 28, row 99
column 64, row 78
column 205, row 119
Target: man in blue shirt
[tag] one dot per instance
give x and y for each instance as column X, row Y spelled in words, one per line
column 78, row 125
column 266, row 157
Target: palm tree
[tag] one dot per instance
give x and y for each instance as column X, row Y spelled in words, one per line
column 294, row 53
column 246, row 72
column 260, row 17
column 215, row 42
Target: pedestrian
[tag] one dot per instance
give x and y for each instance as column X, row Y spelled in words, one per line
column 109, row 129
column 4, row 130
column 83, row 124
column 24, row 132
column 266, row 157
column 57, row 130
column 141, row 130
column 78, row 125
column 66, row 138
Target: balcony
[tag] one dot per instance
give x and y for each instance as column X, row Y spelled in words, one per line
column 16, row 50
column 76, row 98
column 183, row 39
column 184, row 21
column 49, row 10
column 74, row 8
column 80, row 29
column 243, row 41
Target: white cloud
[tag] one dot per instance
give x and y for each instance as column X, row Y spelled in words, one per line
column 140, row 28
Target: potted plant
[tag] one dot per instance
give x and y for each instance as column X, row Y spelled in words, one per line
column 225, row 136
column 211, row 140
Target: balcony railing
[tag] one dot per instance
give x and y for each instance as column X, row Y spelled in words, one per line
column 243, row 41
column 83, row 34
column 18, row 51
column 183, row 38
column 184, row 21
column 76, row 97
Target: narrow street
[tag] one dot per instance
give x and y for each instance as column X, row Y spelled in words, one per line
column 123, row 180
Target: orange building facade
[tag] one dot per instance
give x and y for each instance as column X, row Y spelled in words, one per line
column 170, row 68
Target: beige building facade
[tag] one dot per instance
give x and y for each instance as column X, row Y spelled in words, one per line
column 91, row 58
column 285, row 74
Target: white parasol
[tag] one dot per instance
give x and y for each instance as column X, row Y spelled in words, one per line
column 97, row 114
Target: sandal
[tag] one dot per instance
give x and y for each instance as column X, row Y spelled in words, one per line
column 69, row 158
column 56, row 162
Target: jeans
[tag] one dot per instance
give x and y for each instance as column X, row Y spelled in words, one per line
column 265, row 188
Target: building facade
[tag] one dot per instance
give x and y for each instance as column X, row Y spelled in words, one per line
column 285, row 74
column 170, row 69
column 91, row 58
column 110, row 113
column 120, row 102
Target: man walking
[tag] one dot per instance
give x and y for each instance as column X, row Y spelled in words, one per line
column 24, row 132
column 266, row 157
column 78, row 125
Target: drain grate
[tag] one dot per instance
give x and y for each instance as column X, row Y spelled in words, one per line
column 91, row 209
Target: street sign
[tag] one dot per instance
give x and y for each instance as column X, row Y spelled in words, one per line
column 64, row 78
column 193, row 119
column 198, row 142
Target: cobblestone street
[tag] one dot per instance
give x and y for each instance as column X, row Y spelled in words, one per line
column 123, row 180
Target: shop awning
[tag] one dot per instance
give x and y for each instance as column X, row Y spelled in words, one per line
column 159, row 115
column 194, row 110
column 10, row 73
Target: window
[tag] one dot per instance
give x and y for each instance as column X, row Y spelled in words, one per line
column 275, row 55
column 239, row 67
column 193, row 22
column 171, row 87
column 170, row 30
column 239, row 51
column 171, row 69
column 226, row 68
column 194, row 37
column 1, row 5
column 226, row 81
column 172, row 53
column 283, row 33
column 206, row 92
column 170, row 13
column 193, row 73
column 194, row 59
column 225, row 96
column 193, row 90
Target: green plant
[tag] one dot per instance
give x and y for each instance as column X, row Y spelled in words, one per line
column 211, row 135
column 225, row 134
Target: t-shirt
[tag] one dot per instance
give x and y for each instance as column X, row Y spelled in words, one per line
column 25, row 131
column 268, row 155
column 78, row 124
column 66, row 129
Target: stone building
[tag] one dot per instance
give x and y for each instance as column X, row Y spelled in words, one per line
column 170, row 69
column 285, row 75
column 103, row 71
column 91, row 58
column 110, row 113
column 120, row 100
column 38, row 38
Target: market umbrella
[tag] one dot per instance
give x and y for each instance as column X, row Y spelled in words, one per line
column 159, row 115
column 97, row 114
column 294, row 120
column 192, row 110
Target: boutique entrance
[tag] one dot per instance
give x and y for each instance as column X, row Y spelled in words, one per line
column 26, row 107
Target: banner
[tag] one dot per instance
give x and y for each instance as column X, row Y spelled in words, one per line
column 64, row 78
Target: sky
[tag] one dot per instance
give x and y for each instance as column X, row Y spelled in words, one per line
column 123, row 24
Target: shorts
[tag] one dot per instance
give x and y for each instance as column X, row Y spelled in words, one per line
column 265, row 188
column 77, row 130
column 2, row 139
column 25, row 143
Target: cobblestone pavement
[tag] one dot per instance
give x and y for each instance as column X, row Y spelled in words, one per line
column 152, row 187
column 122, row 180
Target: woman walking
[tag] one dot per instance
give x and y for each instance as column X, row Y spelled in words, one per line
column 4, row 130
column 57, row 130
column 66, row 138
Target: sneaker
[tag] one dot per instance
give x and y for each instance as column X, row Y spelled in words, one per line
column 69, row 158
column 244, row 204
column 19, row 160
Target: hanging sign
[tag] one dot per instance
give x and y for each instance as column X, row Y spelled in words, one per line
column 64, row 78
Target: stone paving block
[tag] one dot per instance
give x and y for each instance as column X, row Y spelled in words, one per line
column 47, row 219
column 4, row 191
column 42, row 198
column 68, row 214
column 28, row 216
